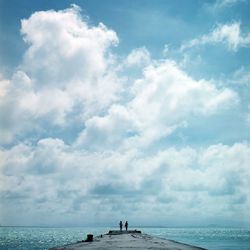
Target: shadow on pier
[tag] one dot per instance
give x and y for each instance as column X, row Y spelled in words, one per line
column 116, row 232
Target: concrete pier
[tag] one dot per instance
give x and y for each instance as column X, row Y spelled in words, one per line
column 131, row 240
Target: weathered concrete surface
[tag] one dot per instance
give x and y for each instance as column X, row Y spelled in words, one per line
column 127, row 240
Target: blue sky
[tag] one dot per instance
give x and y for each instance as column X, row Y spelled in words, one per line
column 125, row 110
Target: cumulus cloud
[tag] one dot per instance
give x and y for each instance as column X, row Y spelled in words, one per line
column 3, row 86
column 229, row 34
column 170, row 97
column 66, row 67
column 70, row 82
column 108, row 131
column 210, row 180
column 5, row 134
column 163, row 99
column 12, row 118
column 138, row 57
column 65, row 78
column 64, row 47
column 66, row 53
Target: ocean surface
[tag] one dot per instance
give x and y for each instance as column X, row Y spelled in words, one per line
column 43, row 238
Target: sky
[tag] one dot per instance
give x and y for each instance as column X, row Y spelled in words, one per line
column 125, row 110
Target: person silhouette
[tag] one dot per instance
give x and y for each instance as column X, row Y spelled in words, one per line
column 126, row 225
column 120, row 225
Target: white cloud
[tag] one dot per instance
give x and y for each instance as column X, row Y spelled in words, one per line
column 65, row 52
column 10, row 115
column 63, row 47
column 68, row 75
column 109, row 131
column 219, row 4
column 69, row 71
column 5, row 131
column 241, row 77
column 167, row 96
column 210, row 180
column 4, row 84
column 68, row 66
column 163, row 99
column 138, row 57
column 229, row 34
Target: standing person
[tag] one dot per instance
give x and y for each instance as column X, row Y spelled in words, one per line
column 126, row 225
column 120, row 225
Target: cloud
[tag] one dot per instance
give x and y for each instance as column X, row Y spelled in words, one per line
column 4, row 84
column 229, row 34
column 138, row 57
column 219, row 4
column 70, row 84
column 12, row 118
column 169, row 96
column 241, row 77
column 64, row 47
column 107, row 132
column 168, row 86
column 5, row 134
column 73, row 181
column 67, row 67
column 66, row 53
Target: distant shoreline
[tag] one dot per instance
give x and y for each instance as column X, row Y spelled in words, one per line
column 177, row 227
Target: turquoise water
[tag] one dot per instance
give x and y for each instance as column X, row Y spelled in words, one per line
column 209, row 238
column 43, row 238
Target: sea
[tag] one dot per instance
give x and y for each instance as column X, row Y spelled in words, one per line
column 41, row 238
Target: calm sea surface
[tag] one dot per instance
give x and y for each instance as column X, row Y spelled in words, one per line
column 43, row 238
